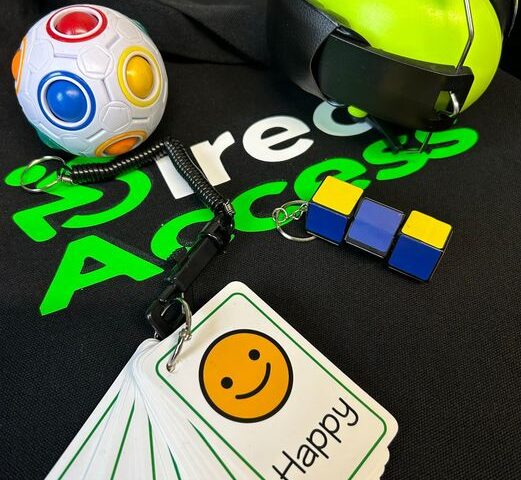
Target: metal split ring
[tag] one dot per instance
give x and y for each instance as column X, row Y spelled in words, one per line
column 456, row 106
column 281, row 216
column 184, row 335
column 38, row 161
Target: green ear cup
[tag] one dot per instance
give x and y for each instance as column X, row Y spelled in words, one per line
column 429, row 30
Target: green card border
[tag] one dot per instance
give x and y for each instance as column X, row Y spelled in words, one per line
column 240, row 294
column 122, row 443
column 88, row 437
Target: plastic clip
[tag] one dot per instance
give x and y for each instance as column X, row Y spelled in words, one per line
column 165, row 314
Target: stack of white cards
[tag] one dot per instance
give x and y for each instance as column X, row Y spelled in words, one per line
column 249, row 398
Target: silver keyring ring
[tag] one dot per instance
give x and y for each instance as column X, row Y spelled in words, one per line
column 279, row 223
column 39, row 161
column 184, row 335
column 456, row 107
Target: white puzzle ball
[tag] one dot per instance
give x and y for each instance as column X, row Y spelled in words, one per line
column 90, row 80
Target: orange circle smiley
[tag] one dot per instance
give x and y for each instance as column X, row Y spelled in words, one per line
column 245, row 376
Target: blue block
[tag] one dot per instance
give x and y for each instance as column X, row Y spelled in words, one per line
column 414, row 258
column 325, row 223
column 374, row 227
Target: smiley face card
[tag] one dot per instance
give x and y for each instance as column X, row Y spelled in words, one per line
column 249, row 398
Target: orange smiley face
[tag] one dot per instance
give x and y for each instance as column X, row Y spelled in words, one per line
column 245, row 376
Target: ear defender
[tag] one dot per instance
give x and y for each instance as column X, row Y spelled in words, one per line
column 413, row 64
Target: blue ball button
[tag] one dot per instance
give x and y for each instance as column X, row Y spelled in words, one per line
column 66, row 101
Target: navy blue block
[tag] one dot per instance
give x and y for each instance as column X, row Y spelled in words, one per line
column 374, row 227
column 414, row 258
column 325, row 223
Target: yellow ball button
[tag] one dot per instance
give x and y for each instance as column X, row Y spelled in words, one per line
column 140, row 77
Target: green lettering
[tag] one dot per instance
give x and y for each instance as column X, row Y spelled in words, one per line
column 166, row 240
column 139, row 186
column 245, row 220
column 33, row 221
column 69, row 277
column 450, row 142
column 345, row 169
column 442, row 145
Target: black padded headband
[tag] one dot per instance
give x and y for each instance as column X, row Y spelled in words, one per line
column 335, row 63
column 506, row 11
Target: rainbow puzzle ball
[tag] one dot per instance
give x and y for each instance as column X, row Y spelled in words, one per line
column 90, row 80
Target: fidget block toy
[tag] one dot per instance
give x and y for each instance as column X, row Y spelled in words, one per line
column 413, row 245
column 90, row 80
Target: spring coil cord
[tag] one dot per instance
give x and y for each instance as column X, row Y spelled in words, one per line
column 101, row 172
column 167, row 313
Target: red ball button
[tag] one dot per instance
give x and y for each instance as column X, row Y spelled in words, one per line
column 76, row 23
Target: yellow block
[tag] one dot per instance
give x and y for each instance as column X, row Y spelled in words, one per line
column 427, row 229
column 337, row 195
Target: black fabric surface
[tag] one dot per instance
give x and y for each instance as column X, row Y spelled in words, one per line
column 510, row 60
column 200, row 30
column 221, row 32
column 443, row 358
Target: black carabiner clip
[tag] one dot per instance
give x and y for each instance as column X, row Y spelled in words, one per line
column 165, row 314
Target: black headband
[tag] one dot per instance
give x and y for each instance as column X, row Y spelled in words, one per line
column 507, row 12
column 336, row 64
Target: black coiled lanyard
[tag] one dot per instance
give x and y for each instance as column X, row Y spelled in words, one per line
column 169, row 310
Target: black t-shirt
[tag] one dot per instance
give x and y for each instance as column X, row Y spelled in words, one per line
column 80, row 270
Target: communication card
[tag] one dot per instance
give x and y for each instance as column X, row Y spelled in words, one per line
column 249, row 398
